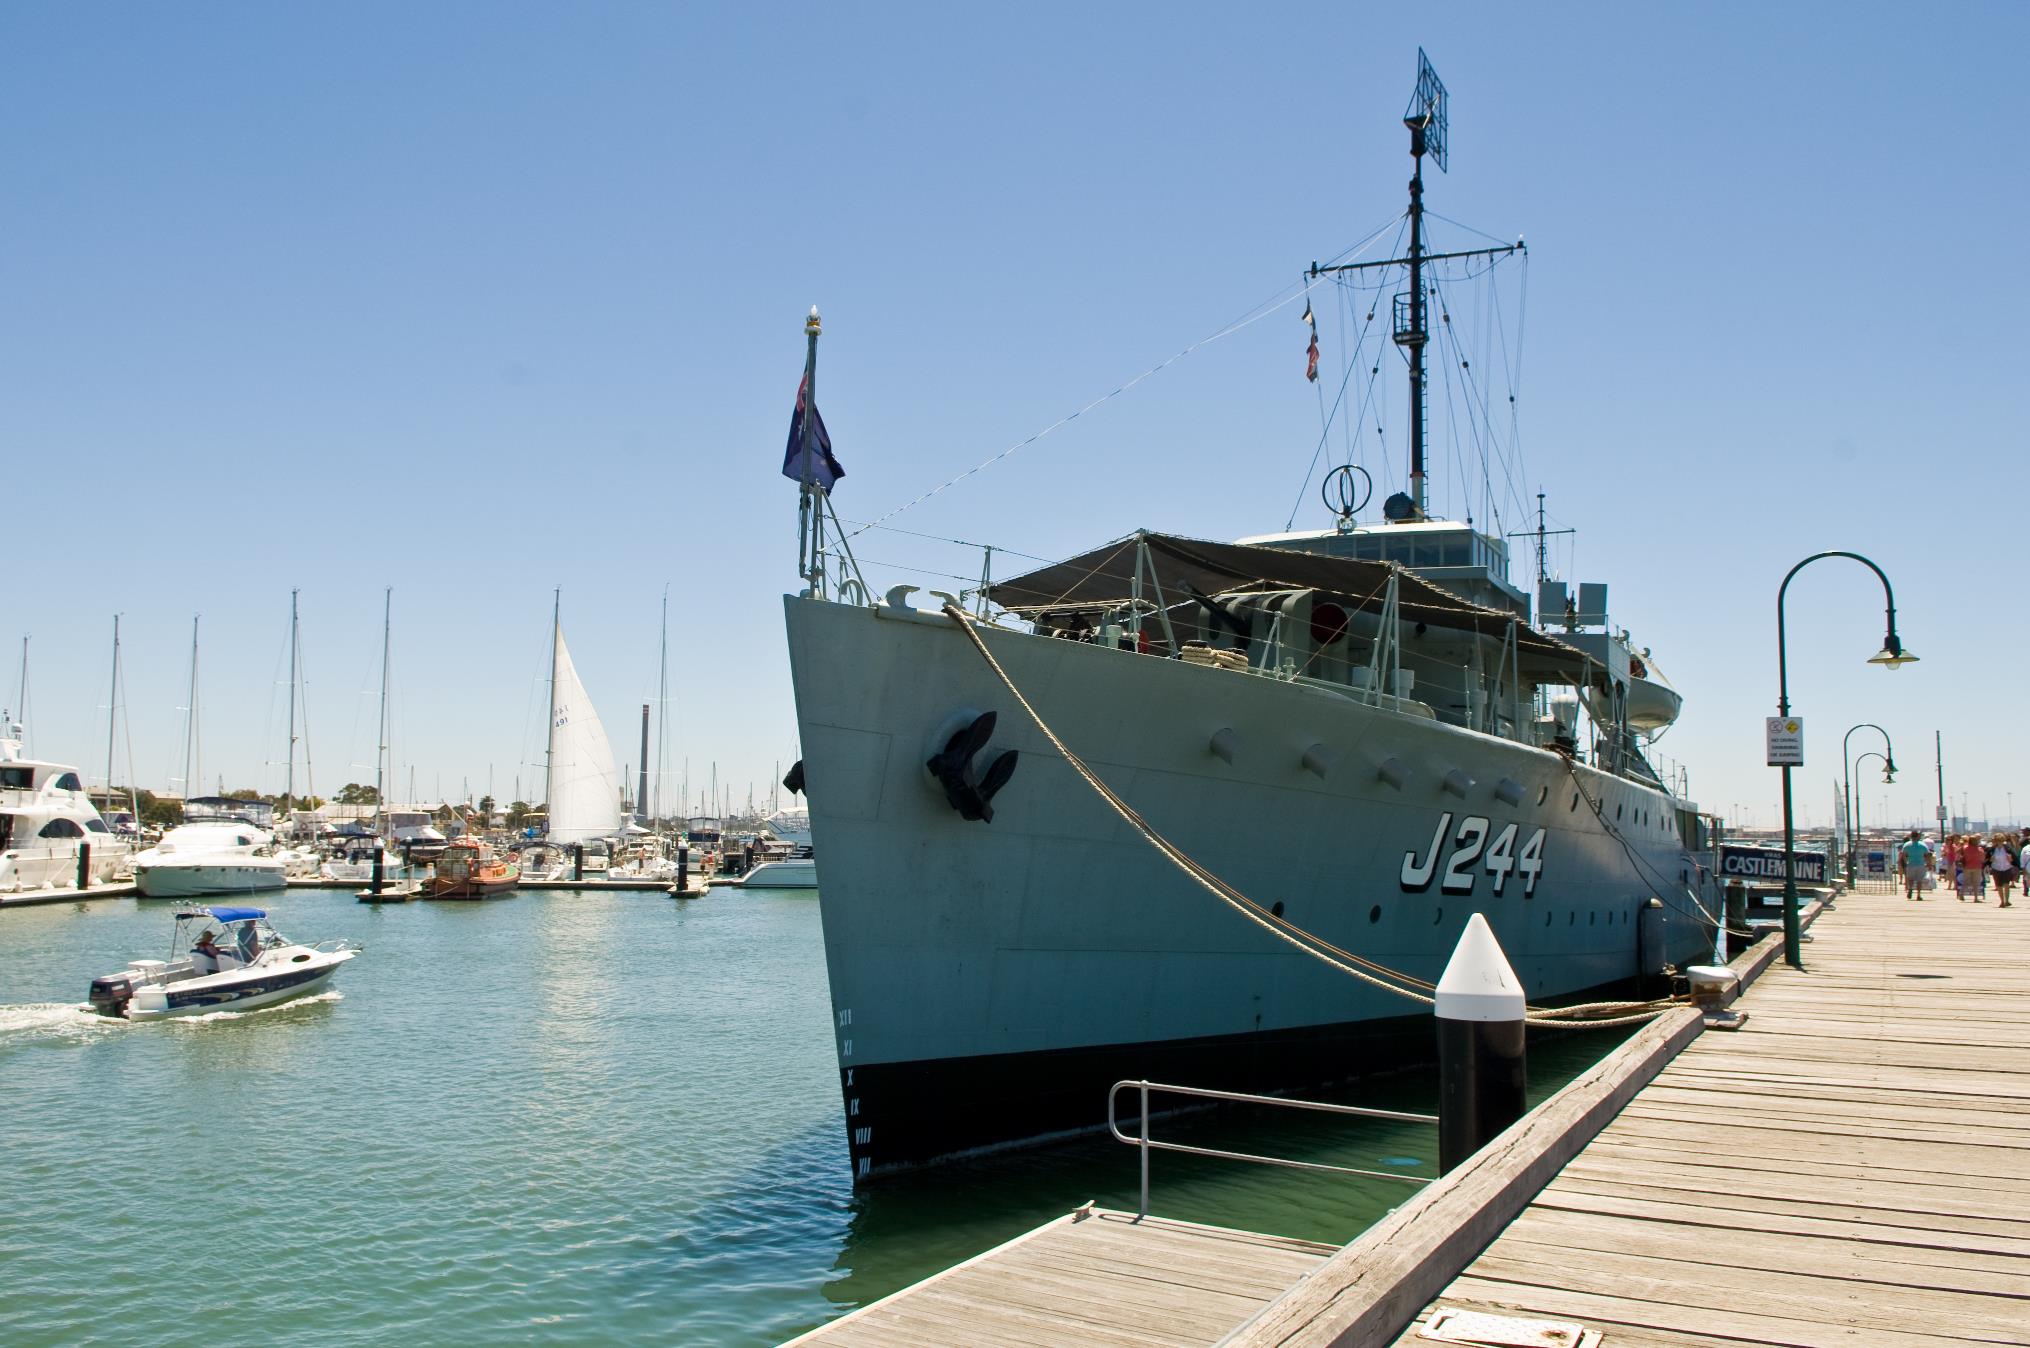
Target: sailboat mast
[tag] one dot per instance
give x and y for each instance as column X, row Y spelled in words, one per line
column 289, row 774
column 550, row 745
column 381, row 750
column 21, row 695
column 662, row 710
column 191, row 760
column 112, row 710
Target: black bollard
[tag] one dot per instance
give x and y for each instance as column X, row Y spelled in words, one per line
column 1483, row 1069
column 1737, row 907
column 683, row 869
column 577, row 861
column 84, row 865
column 374, row 885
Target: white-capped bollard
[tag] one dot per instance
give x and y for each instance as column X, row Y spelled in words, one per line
column 1483, row 1070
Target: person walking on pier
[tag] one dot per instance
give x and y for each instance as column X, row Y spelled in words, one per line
column 2002, row 861
column 1913, row 858
column 1973, row 860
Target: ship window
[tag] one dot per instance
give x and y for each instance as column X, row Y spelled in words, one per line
column 1543, row 793
column 1398, row 550
column 1428, row 554
column 1368, row 549
column 61, row 828
column 97, row 826
column 69, row 782
column 1276, row 908
column 1374, row 914
column 1458, row 554
column 17, row 779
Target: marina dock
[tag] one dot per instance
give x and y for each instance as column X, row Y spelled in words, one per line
column 23, row 898
column 1850, row 1166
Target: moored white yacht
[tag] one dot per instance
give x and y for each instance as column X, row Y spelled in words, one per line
column 46, row 819
column 222, row 847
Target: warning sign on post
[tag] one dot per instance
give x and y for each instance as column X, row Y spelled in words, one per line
column 1786, row 741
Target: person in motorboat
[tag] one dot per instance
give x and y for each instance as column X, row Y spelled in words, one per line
column 207, row 948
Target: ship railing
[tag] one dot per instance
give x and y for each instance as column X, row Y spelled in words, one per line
column 1147, row 1144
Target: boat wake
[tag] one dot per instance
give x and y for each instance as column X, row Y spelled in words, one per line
column 27, row 1023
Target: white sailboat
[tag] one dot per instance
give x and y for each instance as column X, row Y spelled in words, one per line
column 583, row 789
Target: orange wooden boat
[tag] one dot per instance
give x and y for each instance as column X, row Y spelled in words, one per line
column 468, row 869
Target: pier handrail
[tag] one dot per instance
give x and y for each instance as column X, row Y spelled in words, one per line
column 1146, row 1144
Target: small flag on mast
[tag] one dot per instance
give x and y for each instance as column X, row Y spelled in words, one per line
column 809, row 455
column 1311, row 351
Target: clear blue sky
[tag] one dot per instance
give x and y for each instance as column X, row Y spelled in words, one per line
column 482, row 299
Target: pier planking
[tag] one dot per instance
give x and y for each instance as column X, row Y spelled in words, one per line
column 1852, row 1167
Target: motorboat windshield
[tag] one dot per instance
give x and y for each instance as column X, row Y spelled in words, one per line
column 240, row 933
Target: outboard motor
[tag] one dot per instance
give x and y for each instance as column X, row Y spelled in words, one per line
column 952, row 766
column 110, row 995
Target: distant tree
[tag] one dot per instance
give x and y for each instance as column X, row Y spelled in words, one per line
column 165, row 813
column 352, row 793
column 245, row 793
column 518, row 814
column 486, row 807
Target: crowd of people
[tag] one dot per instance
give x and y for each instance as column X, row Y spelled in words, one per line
column 1967, row 862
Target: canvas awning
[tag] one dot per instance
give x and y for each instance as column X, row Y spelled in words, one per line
column 1104, row 577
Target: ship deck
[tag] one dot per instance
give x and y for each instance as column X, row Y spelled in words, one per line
column 1852, row 1166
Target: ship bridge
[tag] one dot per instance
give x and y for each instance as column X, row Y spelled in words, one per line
column 1453, row 556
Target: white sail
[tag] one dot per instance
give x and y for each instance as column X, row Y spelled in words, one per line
column 584, row 789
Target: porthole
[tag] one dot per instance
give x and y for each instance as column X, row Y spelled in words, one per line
column 1591, row 918
column 1437, row 917
column 1617, row 814
column 1543, row 793
column 1572, row 918
column 1374, row 914
column 1575, row 803
column 1547, row 919
column 1276, row 908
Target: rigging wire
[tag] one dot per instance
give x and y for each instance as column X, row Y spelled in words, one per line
column 1279, row 300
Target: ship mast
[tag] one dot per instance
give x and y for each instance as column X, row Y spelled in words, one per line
column 1427, row 123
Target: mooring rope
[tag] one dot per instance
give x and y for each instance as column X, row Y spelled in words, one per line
column 1310, row 943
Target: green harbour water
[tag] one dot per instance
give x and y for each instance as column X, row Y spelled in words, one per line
column 556, row 1118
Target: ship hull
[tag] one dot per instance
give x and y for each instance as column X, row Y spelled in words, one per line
column 990, row 980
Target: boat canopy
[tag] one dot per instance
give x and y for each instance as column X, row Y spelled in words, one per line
column 227, row 914
column 1105, row 577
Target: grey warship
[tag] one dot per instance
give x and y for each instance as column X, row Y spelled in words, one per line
column 1362, row 729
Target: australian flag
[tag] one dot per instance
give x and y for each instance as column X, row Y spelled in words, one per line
column 809, row 456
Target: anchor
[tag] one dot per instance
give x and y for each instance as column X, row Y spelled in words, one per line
column 952, row 766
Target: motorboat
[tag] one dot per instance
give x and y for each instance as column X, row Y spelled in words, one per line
column 47, row 821
column 235, row 961
column 355, row 863
column 412, row 832
column 469, row 869
column 222, row 847
column 644, row 858
column 781, row 865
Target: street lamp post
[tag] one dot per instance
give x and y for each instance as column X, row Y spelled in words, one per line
column 1891, row 656
column 1846, row 779
column 1854, row 819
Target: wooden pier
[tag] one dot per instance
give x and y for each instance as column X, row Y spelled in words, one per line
column 1095, row 1277
column 23, row 898
column 1851, row 1166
